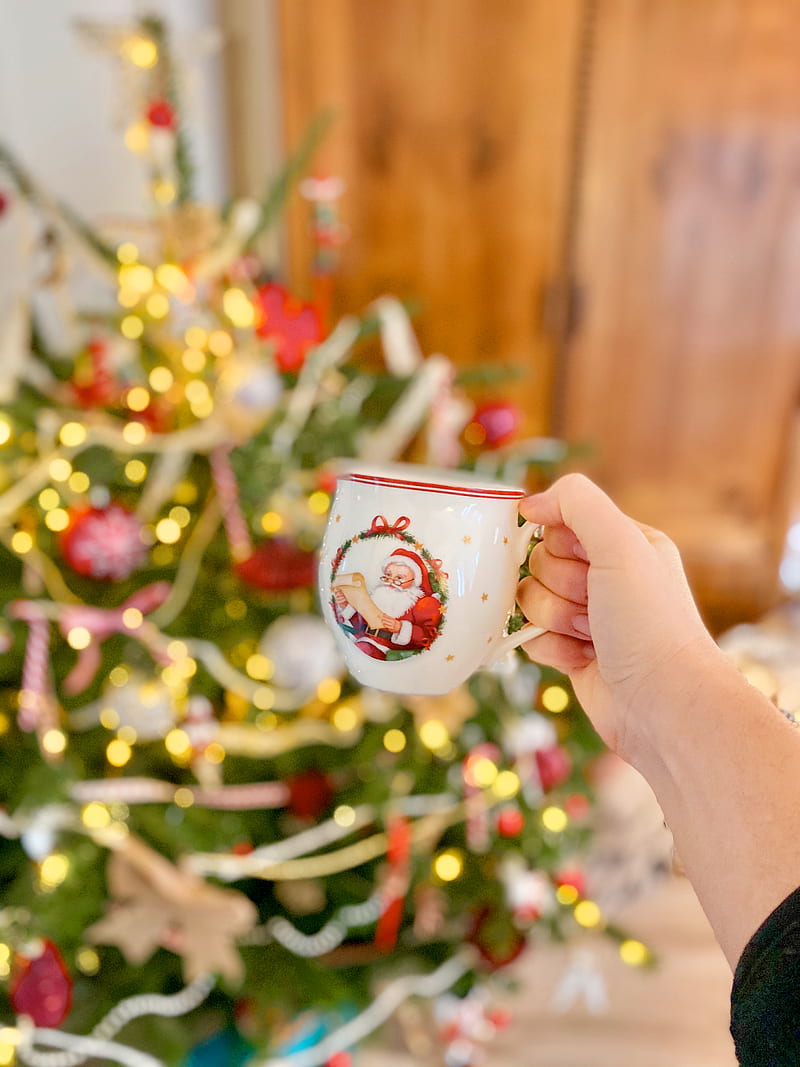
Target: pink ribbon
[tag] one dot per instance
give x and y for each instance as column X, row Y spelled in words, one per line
column 103, row 622
column 382, row 525
column 36, row 702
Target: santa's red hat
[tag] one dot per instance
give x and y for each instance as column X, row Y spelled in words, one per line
column 414, row 562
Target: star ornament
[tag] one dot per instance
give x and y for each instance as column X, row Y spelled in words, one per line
column 158, row 905
column 291, row 326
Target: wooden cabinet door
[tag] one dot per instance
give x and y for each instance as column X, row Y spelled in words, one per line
column 452, row 133
column 684, row 375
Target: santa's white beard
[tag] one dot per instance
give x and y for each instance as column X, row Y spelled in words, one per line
column 392, row 601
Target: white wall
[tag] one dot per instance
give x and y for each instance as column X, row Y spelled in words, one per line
column 61, row 108
column 60, row 99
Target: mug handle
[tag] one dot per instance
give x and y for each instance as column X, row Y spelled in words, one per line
column 523, row 536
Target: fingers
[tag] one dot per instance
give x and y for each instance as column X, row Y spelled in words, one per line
column 561, row 541
column 604, row 531
column 565, row 654
column 565, row 577
column 553, row 612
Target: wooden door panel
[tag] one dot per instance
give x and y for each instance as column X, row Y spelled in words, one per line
column 685, row 374
column 453, row 136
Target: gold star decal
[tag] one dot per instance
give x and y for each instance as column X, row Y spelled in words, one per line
column 451, row 656
column 485, row 596
column 338, row 518
column 418, row 546
column 505, row 540
column 467, row 540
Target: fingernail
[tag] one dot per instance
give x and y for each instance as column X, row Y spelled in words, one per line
column 580, row 552
column 581, row 624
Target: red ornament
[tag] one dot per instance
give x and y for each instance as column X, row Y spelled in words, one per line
column 510, row 822
column 554, row 766
column 311, row 793
column 92, row 382
column 498, row 941
column 278, row 566
column 290, row 325
column 104, row 543
column 494, row 424
column 41, row 987
column 326, row 480
column 162, row 114
column 3, row 202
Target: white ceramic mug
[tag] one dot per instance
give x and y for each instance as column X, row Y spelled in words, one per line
column 418, row 574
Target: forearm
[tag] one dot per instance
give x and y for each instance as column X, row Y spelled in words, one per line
column 724, row 765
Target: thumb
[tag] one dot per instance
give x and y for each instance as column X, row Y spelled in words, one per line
column 603, row 530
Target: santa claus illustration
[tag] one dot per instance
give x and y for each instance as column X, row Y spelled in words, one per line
column 410, row 612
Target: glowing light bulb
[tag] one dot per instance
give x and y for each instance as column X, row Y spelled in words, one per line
column 95, row 816
column 137, row 398
column 60, row 470
column 555, row 698
column 220, row 343
column 448, row 865
column 161, row 379
column 238, row 308
column 184, row 797
column 506, row 785
column 170, row 277
column 344, row 815
column 433, row 734
column 329, row 690
column 141, row 51
column 131, row 327
column 587, row 913
column 118, row 752
column 135, row 433
column 394, row 740
column 271, row 522
column 79, row 637
column 135, row 471
column 56, row 520
column 345, row 718
column 259, row 667
column 127, row 252
column 54, row 742
column 634, row 953
column 53, row 870
column 72, row 434
column 555, row 819
column 319, row 502
column 21, row 542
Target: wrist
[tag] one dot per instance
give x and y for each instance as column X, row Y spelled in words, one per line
column 688, row 698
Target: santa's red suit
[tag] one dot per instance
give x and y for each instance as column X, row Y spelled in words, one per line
column 419, row 622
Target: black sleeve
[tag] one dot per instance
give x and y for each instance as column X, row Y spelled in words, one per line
column 765, row 999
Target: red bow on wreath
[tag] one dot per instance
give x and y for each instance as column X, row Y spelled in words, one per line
column 436, row 567
column 381, row 525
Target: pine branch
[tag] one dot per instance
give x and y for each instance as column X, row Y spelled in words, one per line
column 155, row 28
column 280, row 187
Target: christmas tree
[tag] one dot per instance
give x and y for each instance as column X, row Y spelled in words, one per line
column 215, row 846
